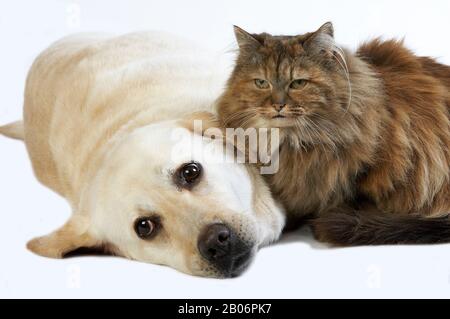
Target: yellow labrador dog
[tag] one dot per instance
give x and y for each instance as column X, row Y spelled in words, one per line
column 101, row 120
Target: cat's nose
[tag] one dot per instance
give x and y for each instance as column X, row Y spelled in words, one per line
column 279, row 107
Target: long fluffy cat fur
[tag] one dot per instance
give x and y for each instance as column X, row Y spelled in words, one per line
column 372, row 165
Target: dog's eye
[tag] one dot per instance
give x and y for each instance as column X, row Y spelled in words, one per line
column 298, row 84
column 189, row 174
column 262, row 84
column 145, row 227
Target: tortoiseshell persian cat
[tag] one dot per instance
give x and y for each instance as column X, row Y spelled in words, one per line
column 364, row 137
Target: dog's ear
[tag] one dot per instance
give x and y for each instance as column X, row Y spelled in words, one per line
column 70, row 237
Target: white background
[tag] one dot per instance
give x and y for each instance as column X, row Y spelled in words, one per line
column 296, row 268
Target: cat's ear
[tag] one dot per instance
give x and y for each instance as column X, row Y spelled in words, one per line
column 327, row 29
column 70, row 237
column 321, row 41
column 245, row 40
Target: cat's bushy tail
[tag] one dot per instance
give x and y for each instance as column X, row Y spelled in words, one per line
column 13, row 130
column 354, row 228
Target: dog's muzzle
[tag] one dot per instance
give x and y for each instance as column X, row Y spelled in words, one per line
column 224, row 250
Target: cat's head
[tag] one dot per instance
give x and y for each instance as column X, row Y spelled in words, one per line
column 299, row 82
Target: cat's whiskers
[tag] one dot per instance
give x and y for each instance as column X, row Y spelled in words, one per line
column 304, row 124
column 246, row 120
column 318, row 135
column 334, row 134
column 325, row 131
column 236, row 115
column 345, row 68
column 299, row 127
column 241, row 116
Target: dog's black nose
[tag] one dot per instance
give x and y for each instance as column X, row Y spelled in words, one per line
column 219, row 245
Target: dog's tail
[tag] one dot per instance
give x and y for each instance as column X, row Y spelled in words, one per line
column 13, row 130
column 343, row 228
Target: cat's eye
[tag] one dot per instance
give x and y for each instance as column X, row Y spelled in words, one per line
column 145, row 227
column 262, row 84
column 298, row 84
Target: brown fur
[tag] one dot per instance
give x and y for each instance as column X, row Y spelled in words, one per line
column 347, row 227
column 387, row 149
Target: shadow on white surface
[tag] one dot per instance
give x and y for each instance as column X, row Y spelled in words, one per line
column 302, row 235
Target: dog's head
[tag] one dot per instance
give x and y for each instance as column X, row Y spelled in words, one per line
column 166, row 195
